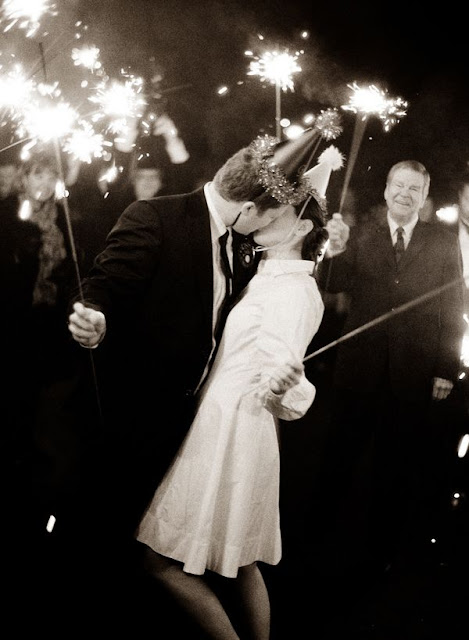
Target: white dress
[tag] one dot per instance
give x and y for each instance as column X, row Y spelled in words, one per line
column 217, row 507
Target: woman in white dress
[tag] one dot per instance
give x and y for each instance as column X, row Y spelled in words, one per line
column 217, row 507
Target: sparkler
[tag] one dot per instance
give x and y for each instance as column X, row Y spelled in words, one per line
column 277, row 68
column 365, row 102
column 328, row 125
column 120, row 101
column 25, row 14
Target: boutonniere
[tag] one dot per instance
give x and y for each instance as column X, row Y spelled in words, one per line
column 246, row 253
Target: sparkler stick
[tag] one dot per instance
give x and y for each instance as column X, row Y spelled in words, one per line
column 278, row 110
column 385, row 316
column 358, row 131
column 71, row 237
column 366, row 102
column 278, row 69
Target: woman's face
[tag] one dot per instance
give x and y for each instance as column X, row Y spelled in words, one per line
column 40, row 183
column 278, row 230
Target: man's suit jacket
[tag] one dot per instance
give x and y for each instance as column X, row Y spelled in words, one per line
column 412, row 347
column 154, row 283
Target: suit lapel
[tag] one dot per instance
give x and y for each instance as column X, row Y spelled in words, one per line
column 245, row 261
column 200, row 242
column 415, row 246
column 384, row 248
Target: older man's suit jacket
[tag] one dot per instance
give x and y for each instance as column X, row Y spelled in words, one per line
column 154, row 283
column 414, row 346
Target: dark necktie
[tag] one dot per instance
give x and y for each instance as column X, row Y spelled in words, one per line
column 226, row 268
column 225, row 264
column 399, row 247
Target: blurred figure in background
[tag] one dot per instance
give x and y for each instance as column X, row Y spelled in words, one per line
column 9, row 173
column 141, row 167
column 37, row 275
column 463, row 228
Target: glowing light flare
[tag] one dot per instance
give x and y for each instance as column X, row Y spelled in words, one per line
column 120, row 101
column 374, row 101
column 109, row 175
column 50, row 524
column 465, row 343
column 15, row 89
column 25, row 210
column 26, row 14
column 60, row 190
column 86, row 56
column 84, row 143
column 276, row 67
column 50, row 122
column 294, row 131
column 463, row 445
column 329, row 124
column 449, row 214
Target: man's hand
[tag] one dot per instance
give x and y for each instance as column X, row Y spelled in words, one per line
column 285, row 377
column 441, row 388
column 339, row 233
column 87, row 325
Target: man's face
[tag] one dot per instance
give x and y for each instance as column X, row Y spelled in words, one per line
column 278, row 230
column 463, row 201
column 405, row 195
column 251, row 219
column 147, row 183
column 40, row 183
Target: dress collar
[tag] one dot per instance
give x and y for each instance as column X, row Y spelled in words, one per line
column 278, row 267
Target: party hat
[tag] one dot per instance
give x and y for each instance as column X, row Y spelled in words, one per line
column 281, row 165
column 318, row 176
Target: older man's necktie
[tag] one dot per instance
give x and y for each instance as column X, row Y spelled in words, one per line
column 399, row 247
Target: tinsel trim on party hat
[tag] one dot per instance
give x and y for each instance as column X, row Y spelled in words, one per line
column 273, row 178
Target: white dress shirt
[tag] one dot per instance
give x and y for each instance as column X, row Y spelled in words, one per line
column 407, row 228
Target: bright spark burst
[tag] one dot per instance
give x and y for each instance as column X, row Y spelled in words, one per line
column 47, row 123
column 328, row 123
column 84, row 143
column 448, row 214
column 373, row 100
column 120, row 101
column 276, row 67
column 26, row 14
column 15, row 89
column 87, row 57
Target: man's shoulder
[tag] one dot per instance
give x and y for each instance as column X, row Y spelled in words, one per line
column 439, row 232
column 176, row 200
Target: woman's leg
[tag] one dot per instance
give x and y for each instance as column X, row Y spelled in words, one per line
column 193, row 595
column 255, row 603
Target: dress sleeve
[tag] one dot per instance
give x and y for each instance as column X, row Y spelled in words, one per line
column 292, row 404
column 291, row 316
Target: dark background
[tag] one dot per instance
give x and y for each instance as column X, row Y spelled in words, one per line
column 410, row 50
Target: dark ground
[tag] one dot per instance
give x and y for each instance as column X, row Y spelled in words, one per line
column 56, row 586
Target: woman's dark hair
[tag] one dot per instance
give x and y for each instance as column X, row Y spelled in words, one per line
column 314, row 242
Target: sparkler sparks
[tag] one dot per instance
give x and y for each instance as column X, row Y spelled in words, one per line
column 15, row 89
column 84, row 143
column 49, row 122
column 121, row 101
column 328, row 123
column 26, row 14
column 87, row 57
column 276, row 67
column 373, row 100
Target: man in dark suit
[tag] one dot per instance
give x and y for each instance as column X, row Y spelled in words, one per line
column 155, row 298
column 387, row 377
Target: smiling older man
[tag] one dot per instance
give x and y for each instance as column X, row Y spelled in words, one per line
column 387, row 377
